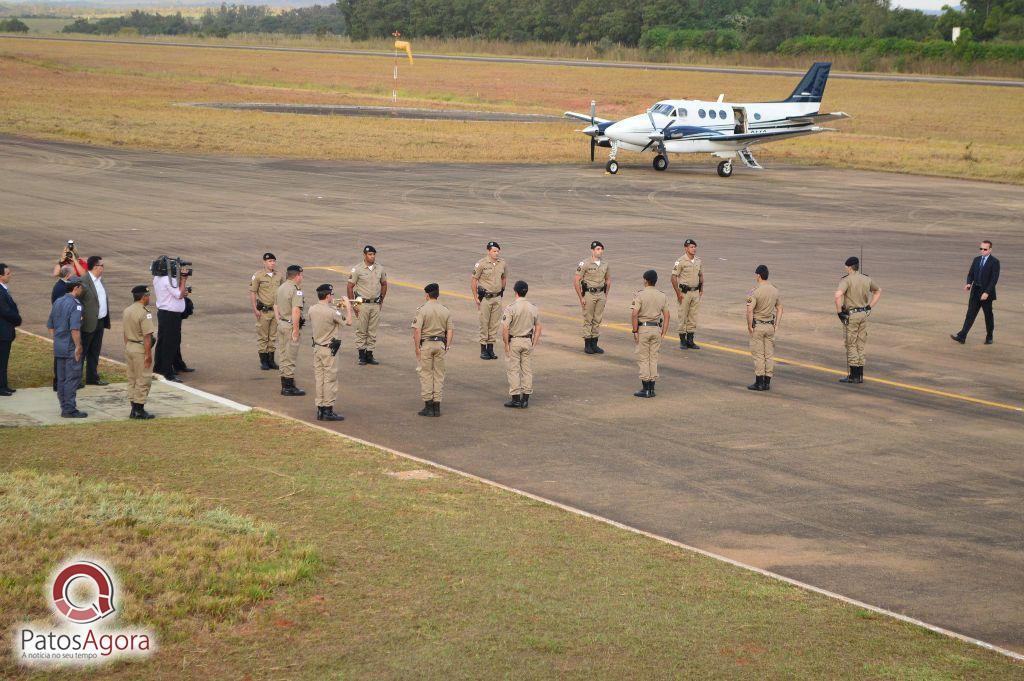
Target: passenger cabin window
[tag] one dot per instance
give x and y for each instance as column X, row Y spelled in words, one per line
column 711, row 113
column 702, row 113
column 721, row 114
column 757, row 117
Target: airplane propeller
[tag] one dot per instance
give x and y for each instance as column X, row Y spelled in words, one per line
column 593, row 138
column 657, row 136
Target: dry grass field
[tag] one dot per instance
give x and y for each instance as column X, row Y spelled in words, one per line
column 127, row 95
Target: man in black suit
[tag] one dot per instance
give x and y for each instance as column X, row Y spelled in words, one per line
column 95, row 318
column 981, row 282
column 9, row 319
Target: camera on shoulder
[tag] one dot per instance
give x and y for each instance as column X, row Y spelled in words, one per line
column 165, row 266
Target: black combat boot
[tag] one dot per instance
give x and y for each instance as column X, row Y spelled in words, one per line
column 682, row 341
column 428, row 409
column 515, row 402
column 270, row 361
column 766, row 383
column 851, row 376
column 362, row 356
column 139, row 412
column 329, row 415
column 135, row 411
column 370, row 359
column 264, row 362
column 319, row 413
column 490, row 351
column 758, row 383
column 483, row 351
column 525, row 402
column 858, row 375
column 588, row 346
column 643, row 392
column 288, row 388
column 593, row 345
column 650, row 388
column 436, row 409
column 689, row 342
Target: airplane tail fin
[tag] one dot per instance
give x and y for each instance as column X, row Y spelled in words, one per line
column 812, row 87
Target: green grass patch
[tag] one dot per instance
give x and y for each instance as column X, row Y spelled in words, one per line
column 31, row 364
column 431, row 578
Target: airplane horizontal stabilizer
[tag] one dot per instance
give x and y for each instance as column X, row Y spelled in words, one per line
column 818, row 117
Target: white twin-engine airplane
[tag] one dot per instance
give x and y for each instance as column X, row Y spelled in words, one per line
column 686, row 126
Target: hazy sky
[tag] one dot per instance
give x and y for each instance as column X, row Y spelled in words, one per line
column 924, row 4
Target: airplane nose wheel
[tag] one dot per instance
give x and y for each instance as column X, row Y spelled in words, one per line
column 612, row 167
column 660, row 162
column 725, row 169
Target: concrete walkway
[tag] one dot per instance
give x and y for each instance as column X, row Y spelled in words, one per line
column 39, row 406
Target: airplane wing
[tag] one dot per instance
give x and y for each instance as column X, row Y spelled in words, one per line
column 585, row 117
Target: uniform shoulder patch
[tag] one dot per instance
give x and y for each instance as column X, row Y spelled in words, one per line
column 149, row 315
column 582, row 262
column 677, row 264
column 298, row 293
column 254, row 277
column 78, row 307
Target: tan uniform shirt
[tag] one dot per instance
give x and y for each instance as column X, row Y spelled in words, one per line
column 650, row 304
column 265, row 284
column 137, row 322
column 688, row 271
column 326, row 321
column 433, row 319
column 488, row 274
column 763, row 298
column 857, row 289
column 289, row 296
column 521, row 318
column 592, row 274
column 366, row 281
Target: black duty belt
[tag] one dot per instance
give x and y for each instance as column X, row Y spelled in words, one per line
column 439, row 339
column 284, row 321
column 373, row 301
column 763, row 321
column 264, row 308
column 487, row 294
column 686, row 289
column 857, row 309
column 648, row 323
column 133, row 341
column 599, row 289
column 529, row 335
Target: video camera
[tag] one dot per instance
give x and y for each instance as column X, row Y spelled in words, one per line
column 165, row 266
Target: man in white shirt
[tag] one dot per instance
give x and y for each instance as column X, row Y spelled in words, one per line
column 170, row 304
column 95, row 318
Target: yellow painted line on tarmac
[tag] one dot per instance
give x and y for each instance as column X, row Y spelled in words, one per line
column 735, row 351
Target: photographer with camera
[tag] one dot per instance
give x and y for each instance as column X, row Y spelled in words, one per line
column 170, row 279
column 69, row 256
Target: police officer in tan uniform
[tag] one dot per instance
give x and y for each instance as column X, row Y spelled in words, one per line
column 288, row 306
column 855, row 297
column 520, row 331
column 592, row 282
column 650, row 317
column 367, row 285
column 432, row 332
column 764, row 312
column 139, row 326
column 326, row 319
column 688, row 283
column 262, row 292
column 490, row 275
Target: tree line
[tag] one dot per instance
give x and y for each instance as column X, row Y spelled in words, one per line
column 221, row 22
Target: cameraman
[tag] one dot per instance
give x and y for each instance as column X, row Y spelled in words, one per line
column 69, row 256
column 171, row 292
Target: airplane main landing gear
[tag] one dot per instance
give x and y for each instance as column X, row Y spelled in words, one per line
column 725, row 169
column 612, row 166
column 660, row 162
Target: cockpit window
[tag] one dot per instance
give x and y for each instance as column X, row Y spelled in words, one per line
column 666, row 109
column 682, row 113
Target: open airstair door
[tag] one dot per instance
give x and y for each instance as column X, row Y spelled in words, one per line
column 739, row 114
column 749, row 160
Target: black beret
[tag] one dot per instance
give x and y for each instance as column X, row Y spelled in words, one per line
column 651, row 277
column 689, row 242
column 595, row 244
column 140, row 289
column 269, row 256
column 325, row 287
column 493, row 244
column 432, row 288
column 369, row 249
column 294, row 268
column 853, row 261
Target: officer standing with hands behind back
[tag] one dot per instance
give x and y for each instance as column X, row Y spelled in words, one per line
column 855, row 297
column 688, row 283
column 520, row 333
column 139, row 327
column 288, row 310
column 262, row 292
column 593, row 283
column 650, row 322
column 369, row 282
column 487, row 284
column 432, row 332
column 764, row 312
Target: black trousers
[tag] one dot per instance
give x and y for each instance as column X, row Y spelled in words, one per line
column 92, row 343
column 168, row 343
column 5, row 356
column 974, row 304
